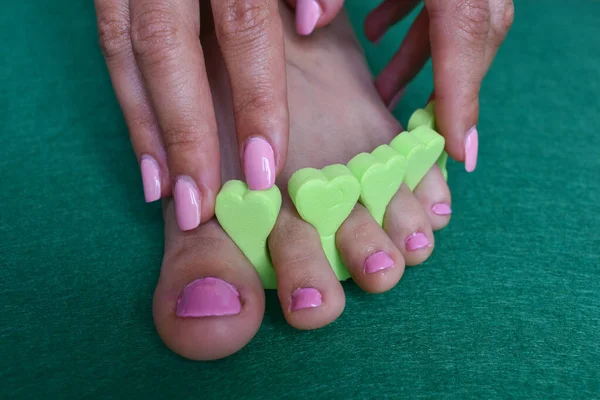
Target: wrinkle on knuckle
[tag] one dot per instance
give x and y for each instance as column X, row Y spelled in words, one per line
column 113, row 32
column 155, row 33
column 257, row 99
column 472, row 20
column 243, row 21
column 183, row 138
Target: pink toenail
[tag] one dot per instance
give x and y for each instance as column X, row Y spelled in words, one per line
column 150, row 178
column 306, row 298
column 208, row 297
column 187, row 203
column 471, row 148
column 259, row 164
column 417, row 241
column 441, row 209
column 308, row 13
column 378, row 262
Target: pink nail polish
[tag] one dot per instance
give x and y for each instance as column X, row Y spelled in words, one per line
column 378, row 262
column 150, row 178
column 308, row 13
column 208, row 297
column 441, row 209
column 306, row 298
column 187, row 203
column 259, row 164
column 417, row 241
column 396, row 99
column 471, row 148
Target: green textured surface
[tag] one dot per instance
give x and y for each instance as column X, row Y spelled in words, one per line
column 507, row 307
column 248, row 217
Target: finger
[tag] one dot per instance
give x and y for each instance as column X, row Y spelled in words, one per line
column 311, row 14
column 167, row 49
column 250, row 36
column 459, row 31
column 113, row 31
column 385, row 15
column 406, row 63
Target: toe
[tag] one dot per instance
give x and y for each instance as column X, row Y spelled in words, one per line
column 408, row 227
column 209, row 301
column 434, row 195
column 371, row 257
column 309, row 292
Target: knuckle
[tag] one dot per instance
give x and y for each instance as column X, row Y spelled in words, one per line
column 502, row 22
column 243, row 21
column 113, row 32
column 182, row 139
column 472, row 18
column 154, row 32
column 258, row 99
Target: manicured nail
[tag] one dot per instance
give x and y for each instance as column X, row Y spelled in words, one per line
column 396, row 99
column 308, row 13
column 417, row 241
column 306, row 298
column 441, row 209
column 187, row 203
column 150, row 178
column 208, row 297
column 471, row 148
column 378, row 262
column 259, row 164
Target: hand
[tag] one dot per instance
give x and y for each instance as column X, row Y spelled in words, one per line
column 156, row 64
column 462, row 37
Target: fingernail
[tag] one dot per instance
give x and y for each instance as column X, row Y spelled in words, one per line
column 308, row 13
column 441, row 209
column 417, row 241
column 208, row 297
column 306, row 298
column 396, row 99
column 150, row 178
column 187, row 203
column 259, row 164
column 471, row 148
column 377, row 262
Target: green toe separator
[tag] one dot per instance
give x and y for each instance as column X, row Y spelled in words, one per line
column 324, row 198
column 441, row 162
column 248, row 217
column 380, row 175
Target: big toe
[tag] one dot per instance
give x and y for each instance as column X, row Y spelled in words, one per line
column 209, row 300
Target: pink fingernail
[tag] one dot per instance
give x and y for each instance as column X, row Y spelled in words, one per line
column 306, row 298
column 208, row 297
column 377, row 262
column 259, row 164
column 417, row 241
column 187, row 203
column 308, row 13
column 396, row 99
column 471, row 148
column 150, row 178
column 441, row 209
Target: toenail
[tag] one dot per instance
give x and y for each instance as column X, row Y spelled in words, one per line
column 150, row 178
column 208, row 297
column 306, row 298
column 378, row 262
column 441, row 209
column 187, row 203
column 259, row 164
column 308, row 13
column 471, row 148
column 417, row 241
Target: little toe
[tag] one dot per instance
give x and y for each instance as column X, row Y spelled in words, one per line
column 209, row 301
column 310, row 294
column 434, row 195
column 408, row 227
column 375, row 263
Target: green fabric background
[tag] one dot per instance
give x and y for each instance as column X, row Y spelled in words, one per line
column 507, row 307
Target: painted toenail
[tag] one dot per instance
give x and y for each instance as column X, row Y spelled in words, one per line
column 208, row 297
column 308, row 13
column 471, row 148
column 259, row 164
column 306, row 298
column 150, row 178
column 417, row 241
column 441, row 209
column 187, row 203
column 378, row 262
